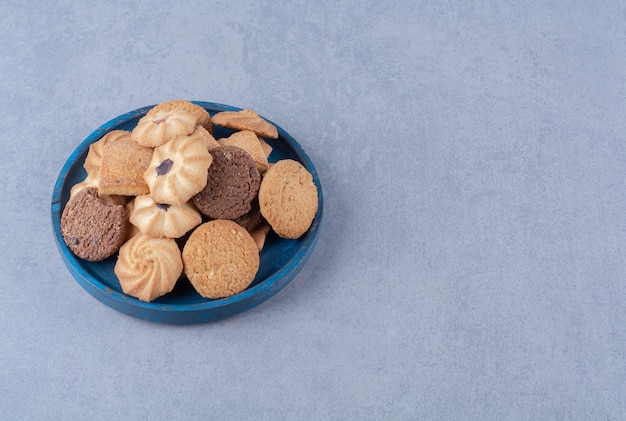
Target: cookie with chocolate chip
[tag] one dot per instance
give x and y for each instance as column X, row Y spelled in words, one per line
column 178, row 170
column 233, row 182
column 93, row 228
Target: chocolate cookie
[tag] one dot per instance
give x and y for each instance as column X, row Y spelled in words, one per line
column 233, row 181
column 252, row 219
column 93, row 228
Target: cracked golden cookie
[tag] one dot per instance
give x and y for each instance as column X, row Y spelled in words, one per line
column 220, row 259
column 288, row 198
column 148, row 267
column 245, row 120
column 122, row 166
column 93, row 228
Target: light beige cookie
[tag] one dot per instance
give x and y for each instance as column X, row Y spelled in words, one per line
column 92, row 167
column 132, row 230
column 220, row 259
column 159, row 126
column 93, row 161
column 203, row 116
column 249, row 142
column 259, row 234
column 178, row 170
column 148, row 267
column 162, row 220
column 90, row 181
column 245, row 120
column 206, row 137
column 288, row 198
column 122, row 166
column 92, row 164
column 267, row 148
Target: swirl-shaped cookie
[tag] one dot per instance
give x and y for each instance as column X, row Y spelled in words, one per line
column 178, row 170
column 148, row 267
column 159, row 126
column 162, row 220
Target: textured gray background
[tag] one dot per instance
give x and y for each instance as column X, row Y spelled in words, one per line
column 471, row 260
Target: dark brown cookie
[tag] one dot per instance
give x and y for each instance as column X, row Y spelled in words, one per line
column 93, row 228
column 233, row 181
column 252, row 219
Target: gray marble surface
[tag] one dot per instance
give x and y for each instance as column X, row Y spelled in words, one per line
column 471, row 263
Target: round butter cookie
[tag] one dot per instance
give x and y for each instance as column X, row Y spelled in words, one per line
column 288, row 198
column 178, row 170
column 232, row 183
column 93, row 228
column 148, row 267
column 220, row 259
column 163, row 220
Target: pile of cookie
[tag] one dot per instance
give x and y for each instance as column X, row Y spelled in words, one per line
column 168, row 201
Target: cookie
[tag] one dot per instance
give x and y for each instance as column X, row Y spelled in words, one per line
column 245, row 120
column 220, row 259
column 92, row 164
column 92, row 228
column 162, row 220
column 249, row 142
column 288, row 198
column 159, row 126
column 123, row 164
column 206, row 137
column 178, row 170
column 148, row 267
column 202, row 115
column 251, row 219
column 267, row 148
column 259, row 234
column 91, row 180
column 232, row 183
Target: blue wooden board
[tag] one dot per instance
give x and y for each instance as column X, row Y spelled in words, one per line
column 281, row 259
